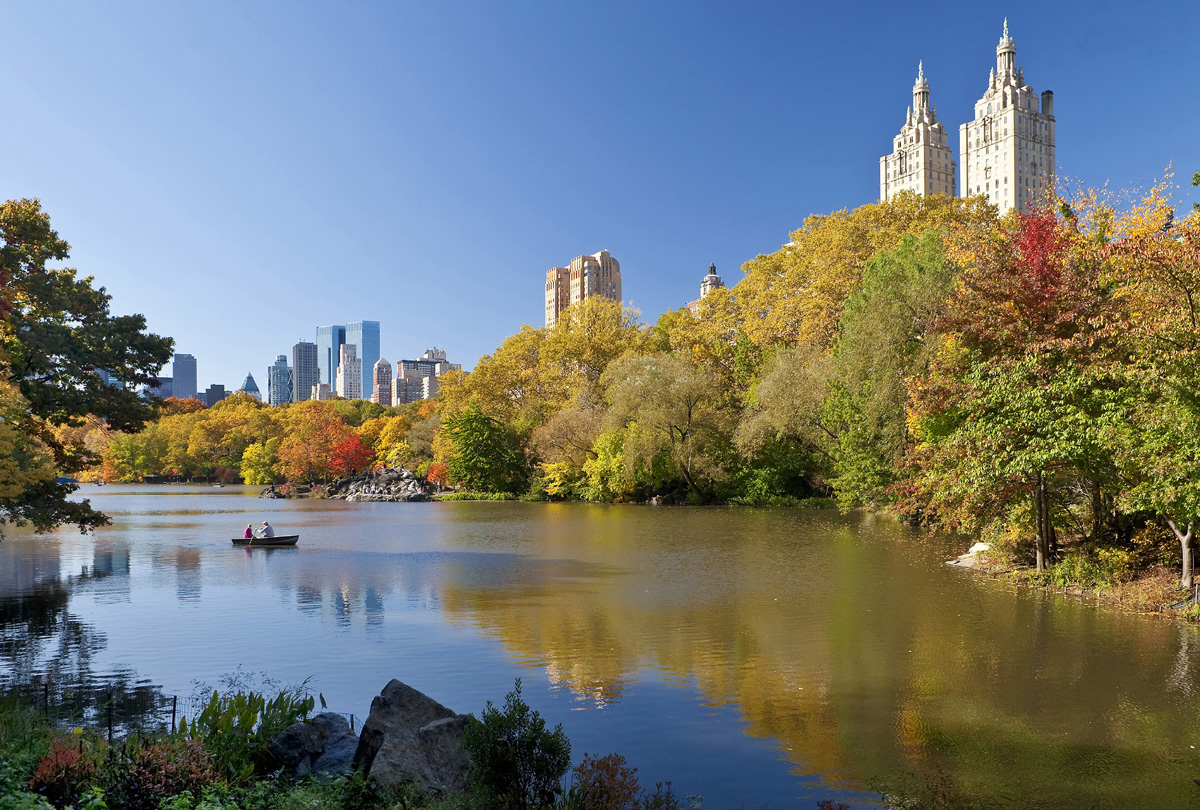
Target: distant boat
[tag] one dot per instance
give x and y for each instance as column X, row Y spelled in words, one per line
column 267, row 542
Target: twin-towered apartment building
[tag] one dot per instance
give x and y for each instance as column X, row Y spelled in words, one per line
column 1005, row 153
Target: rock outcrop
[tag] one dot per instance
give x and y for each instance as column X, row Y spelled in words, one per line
column 323, row 745
column 410, row 737
column 390, row 486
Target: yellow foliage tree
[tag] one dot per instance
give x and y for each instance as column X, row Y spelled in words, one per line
column 796, row 295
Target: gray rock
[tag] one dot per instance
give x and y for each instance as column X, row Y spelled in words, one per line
column 323, row 745
column 410, row 737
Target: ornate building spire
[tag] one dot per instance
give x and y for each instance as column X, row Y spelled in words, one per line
column 921, row 161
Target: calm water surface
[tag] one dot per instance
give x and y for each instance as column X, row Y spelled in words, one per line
column 755, row 657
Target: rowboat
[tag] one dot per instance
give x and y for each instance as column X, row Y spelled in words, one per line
column 267, row 542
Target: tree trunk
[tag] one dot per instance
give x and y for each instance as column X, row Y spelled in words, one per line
column 1185, row 544
column 1041, row 511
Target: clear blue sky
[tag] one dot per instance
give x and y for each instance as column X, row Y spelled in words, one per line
column 242, row 172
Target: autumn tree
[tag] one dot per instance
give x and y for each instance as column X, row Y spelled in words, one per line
column 314, row 432
column 1011, row 410
column 351, row 457
column 585, row 339
column 507, row 384
column 1157, row 437
column 796, row 295
column 56, row 333
column 260, row 461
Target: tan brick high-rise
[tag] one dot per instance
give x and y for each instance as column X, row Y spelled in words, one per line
column 586, row 276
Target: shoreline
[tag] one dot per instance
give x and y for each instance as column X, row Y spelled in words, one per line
column 1152, row 591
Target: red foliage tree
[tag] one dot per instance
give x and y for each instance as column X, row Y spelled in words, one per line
column 351, row 457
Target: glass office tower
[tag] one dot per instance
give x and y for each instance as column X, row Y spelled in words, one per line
column 365, row 335
column 305, row 372
column 329, row 344
column 183, row 370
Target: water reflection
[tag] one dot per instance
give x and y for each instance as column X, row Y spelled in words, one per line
column 47, row 653
column 836, row 644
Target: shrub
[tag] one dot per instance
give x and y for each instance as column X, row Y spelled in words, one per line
column 237, row 727
column 25, row 738
column 515, row 763
column 20, row 800
column 63, row 772
column 147, row 773
column 605, row 784
column 663, row 798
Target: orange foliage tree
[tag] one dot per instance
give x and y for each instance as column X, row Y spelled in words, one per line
column 315, row 432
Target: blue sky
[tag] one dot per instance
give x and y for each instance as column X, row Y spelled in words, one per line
column 242, row 172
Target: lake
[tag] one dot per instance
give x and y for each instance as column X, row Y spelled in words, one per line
column 752, row 656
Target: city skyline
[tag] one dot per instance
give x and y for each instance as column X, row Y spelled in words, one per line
column 276, row 164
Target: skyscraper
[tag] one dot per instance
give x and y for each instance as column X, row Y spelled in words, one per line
column 305, row 372
column 349, row 373
column 921, row 160
column 279, row 382
column 329, row 343
column 382, row 378
column 365, row 336
column 586, row 276
column 183, row 370
column 214, row 394
column 1007, row 152
column 162, row 387
column 249, row 386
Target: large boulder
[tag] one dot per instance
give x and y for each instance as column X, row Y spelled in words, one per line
column 386, row 486
column 410, row 737
column 323, row 745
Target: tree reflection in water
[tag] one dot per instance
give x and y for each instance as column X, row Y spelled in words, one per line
column 46, row 656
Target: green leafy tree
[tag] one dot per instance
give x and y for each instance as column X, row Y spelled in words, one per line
column 886, row 337
column 670, row 409
column 56, row 333
column 485, row 454
column 1158, row 447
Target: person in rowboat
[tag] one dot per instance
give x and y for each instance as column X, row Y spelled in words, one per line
column 249, row 533
column 267, row 530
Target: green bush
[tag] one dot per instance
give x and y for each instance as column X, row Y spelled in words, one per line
column 515, row 763
column 21, row 800
column 1098, row 568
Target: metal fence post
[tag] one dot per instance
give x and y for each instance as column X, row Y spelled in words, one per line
column 174, row 706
